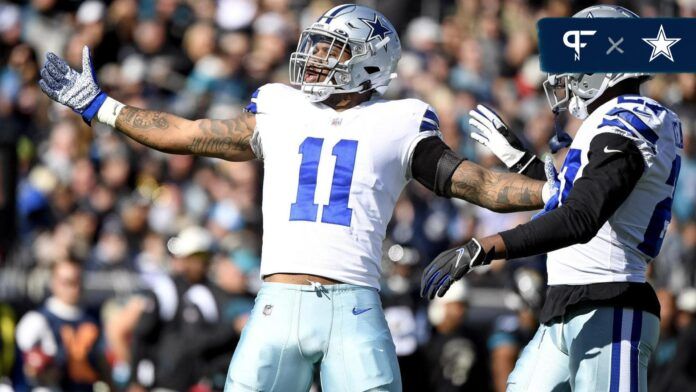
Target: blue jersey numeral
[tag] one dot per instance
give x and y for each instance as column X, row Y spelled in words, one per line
column 304, row 209
column 337, row 211
column 661, row 216
column 640, row 101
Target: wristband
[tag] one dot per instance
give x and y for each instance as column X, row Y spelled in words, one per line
column 109, row 110
column 547, row 192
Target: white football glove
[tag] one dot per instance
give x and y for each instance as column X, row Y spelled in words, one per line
column 78, row 91
column 490, row 130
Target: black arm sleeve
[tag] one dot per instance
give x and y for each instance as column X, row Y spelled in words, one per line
column 607, row 180
column 433, row 164
column 535, row 170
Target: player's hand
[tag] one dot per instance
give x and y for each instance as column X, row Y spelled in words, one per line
column 490, row 130
column 76, row 90
column 449, row 266
column 551, row 191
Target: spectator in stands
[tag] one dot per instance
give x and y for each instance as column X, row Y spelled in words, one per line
column 61, row 343
column 405, row 314
column 679, row 371
column 512, row 332
column 8, row 365
column 183, row 307
column 456, row 353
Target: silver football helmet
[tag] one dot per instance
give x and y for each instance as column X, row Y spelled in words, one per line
column 351, row 48
column 579, row 90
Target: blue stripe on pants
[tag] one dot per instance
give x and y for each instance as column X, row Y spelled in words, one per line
column 635, row 340
column 616, row 351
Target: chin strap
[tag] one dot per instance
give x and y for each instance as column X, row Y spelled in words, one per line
column 560, row 139
column 315, row 95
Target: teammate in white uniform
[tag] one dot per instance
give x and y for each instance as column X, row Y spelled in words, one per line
column 336, row 157
column 607, row 222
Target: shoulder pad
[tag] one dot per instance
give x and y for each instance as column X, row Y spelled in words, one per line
column 639, row 117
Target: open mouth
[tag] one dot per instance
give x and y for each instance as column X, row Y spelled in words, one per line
column 315, row 74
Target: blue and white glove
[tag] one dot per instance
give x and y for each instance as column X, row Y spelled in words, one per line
column 551, row 191
column 78, row 91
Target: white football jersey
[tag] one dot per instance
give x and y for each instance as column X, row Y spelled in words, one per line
column 633, row 235
column 332, row 179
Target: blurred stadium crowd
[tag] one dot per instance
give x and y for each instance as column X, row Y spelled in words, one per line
column 131, row 269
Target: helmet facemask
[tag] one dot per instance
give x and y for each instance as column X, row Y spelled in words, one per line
column 322, row 63
column 553, row 85
column 580, row 90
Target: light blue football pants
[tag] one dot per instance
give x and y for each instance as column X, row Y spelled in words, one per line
column 594, row 350
column 293, row 328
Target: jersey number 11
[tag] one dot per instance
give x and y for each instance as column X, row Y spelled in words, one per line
column 337, row 211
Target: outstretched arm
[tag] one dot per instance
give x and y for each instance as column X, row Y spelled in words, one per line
column 607, row 180
column 226, row 139
column 500, row 192
column 441, row 170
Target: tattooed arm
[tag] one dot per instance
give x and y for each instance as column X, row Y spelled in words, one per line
column 226, row 139
column 497, row 191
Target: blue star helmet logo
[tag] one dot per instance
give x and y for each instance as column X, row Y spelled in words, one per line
column 377, row 29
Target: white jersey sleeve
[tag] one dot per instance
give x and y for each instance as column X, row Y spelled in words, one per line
column 429, row 125
column 267, row 100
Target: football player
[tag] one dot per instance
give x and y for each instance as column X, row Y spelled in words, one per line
column 336, row 157
column 606, row 223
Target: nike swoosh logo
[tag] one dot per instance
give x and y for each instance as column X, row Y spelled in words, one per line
column 460, row 253
column 608, row 151
column 357, row 311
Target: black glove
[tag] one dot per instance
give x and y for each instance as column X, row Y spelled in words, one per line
column 450, row 265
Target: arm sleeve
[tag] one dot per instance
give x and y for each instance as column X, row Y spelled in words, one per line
column 433, row 164
column 606, row 181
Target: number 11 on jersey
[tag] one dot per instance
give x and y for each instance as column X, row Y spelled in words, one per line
column 337, row 211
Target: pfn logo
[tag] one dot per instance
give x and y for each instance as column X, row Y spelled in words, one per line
column 576, row 43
